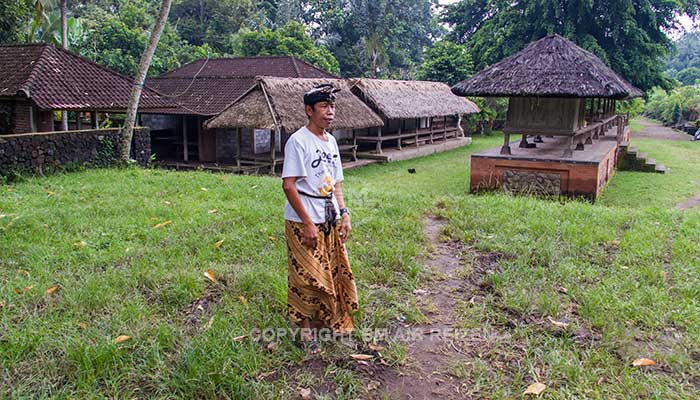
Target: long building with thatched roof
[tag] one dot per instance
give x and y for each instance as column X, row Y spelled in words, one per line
column 414, row 112
column 566, row 98
column 272, row 109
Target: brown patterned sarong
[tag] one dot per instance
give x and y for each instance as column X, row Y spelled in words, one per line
column 321, row 284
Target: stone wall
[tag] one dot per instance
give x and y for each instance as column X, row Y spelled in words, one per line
column 39, row 152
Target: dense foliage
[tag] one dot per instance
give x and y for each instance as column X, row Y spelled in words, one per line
column 630, row 37
column 675, row 107
column 684, row 64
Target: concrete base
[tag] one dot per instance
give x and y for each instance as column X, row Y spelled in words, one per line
column 394, row 154
column 544, row 170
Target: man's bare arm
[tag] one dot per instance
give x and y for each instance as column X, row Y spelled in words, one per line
column 290, row 190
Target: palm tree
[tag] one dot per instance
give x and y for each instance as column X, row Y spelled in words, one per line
column 146, row 57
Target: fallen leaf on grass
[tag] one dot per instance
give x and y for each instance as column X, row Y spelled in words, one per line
column 83, row 325
column 80, row 244
column 536, row 388
column 2, row 304
column 272, row 346
column 361, row 357
column 558, row 324
column 643, row 362
column 373, row 385
column 243, row 300
column 23, row 272
column 376, row 347
column 26, row 289
column 272, row 238
column 210, row 275
column 162, row 224
column 240, row 338
column 50, row 193
column 305, row 394
column 219, row 243
column 121, row 339
column 52, row 289
column 204, row 189
column 214, row 211
column 167, row 203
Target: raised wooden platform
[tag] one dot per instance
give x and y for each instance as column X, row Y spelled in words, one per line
column 405, row 153
column 544, row 171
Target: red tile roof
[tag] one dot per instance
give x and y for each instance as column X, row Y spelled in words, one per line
column 58, row 79
column 207, row 87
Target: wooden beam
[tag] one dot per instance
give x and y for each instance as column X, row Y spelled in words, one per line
column 185, row 146
column 238, row 148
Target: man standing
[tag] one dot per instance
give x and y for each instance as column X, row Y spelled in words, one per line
column 321, row 291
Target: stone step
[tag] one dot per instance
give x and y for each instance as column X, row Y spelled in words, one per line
column 660, row 169
column 651, row 161
column 641, row 156
column 624, row 145
column 632, row 151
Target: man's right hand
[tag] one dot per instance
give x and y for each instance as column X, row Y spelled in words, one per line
column 310, row 235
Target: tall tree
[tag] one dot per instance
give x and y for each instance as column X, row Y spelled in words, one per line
column 446, row 62
column 64, row 44
column 144, row 64
column 630, row 36
column 14, row 14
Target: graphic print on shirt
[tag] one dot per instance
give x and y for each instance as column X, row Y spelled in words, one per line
column 326, row 162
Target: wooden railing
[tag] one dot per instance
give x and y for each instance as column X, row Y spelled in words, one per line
column 595, row 131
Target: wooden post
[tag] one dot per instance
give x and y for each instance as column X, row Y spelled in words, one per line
column 185, row 149
column 505, row 149
column 78, row 120
column 523, row 142
column 460, row 131
column 444, row 129
column 354, row 145
column 95, row 119
column 32, row 118
column 432, row 130
column 568, row 153
column 416, row 129
column 400, row 131
column 379, row 140
column 273, row 145
column 238, row 148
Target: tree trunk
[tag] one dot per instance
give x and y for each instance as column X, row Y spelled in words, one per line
column 64, row 44
column 146, row 57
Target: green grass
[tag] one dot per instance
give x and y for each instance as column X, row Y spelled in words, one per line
column 630, row 264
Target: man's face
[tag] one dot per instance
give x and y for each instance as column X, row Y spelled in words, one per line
column 322, row 113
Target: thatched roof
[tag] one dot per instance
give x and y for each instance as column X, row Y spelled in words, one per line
column 410, row 99
column 549, row 67
column 285, row 95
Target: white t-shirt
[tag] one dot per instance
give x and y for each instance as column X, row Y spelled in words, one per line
column 316, row 164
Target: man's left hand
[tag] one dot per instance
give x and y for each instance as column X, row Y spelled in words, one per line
column 345, row 228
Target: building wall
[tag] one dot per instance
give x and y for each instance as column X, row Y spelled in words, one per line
column 40, row 152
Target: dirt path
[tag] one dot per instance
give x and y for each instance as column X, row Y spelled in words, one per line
column 653, row 130
column 693, row 202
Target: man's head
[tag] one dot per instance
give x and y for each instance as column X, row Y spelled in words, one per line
column 319, row 103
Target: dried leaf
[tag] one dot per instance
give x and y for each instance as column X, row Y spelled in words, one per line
column 272, row 238
column 208, row 325
column 240, row 338
column 204, row 189
column 643, row 362
column 121, row 339
column 167, row 202
column 361, row 357
column 615, row 242
column 558, row 324
column 376, row 347
column 213, row 211
column 28, row 288
column 51, row 289
column 243, row 300
column 219, row 243
column 536, row 388
column 83, row 325
column 80, row 244
column 305, row 394
column 272, row 346
column 210, row 275
column 46, row 226
column 2, row 304
column 23, row 272
column 50, row 193
column 373, row 385
column 162, row 224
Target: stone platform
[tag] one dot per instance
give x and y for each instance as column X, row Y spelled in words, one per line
column 408, row 152
column 544, row 171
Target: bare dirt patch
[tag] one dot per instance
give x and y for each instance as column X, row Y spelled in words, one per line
column 652, row 130
column 693, row 202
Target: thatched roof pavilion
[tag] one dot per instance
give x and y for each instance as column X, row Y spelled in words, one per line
column 555, row 88
column 277, row 103
column 393, row 99
column 550, row 67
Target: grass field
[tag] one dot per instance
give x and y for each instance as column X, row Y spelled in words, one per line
column 625, row 271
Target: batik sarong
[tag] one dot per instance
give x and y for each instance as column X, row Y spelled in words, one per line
column 321, row 284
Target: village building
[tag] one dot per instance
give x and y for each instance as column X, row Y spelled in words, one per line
column 562, row 101
column 273, row 110
column 203, row 89
column 39, row 79
column 422, row 115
